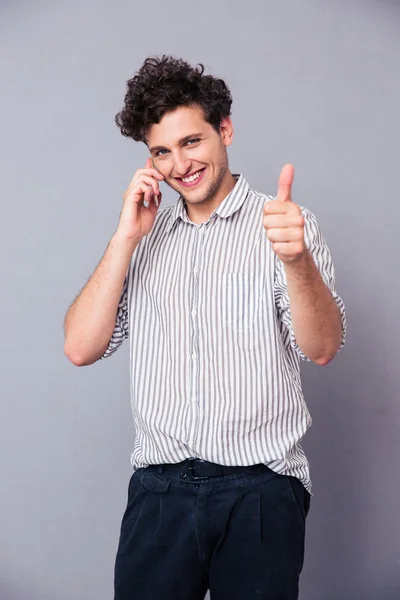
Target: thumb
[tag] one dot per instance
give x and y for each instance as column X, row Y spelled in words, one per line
column 285, row 183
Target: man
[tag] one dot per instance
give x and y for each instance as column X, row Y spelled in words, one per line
column 221, row 295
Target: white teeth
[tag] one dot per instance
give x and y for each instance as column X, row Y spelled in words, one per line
column 192, row 178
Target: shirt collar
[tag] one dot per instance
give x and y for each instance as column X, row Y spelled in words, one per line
column 233, row 201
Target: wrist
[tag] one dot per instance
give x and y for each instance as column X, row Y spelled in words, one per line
column 122, row 241
column 301, row 262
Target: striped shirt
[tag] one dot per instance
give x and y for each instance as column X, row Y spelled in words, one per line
column 215, row 365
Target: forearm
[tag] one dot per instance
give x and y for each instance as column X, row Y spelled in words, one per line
column 90, row 320
column 315, row 315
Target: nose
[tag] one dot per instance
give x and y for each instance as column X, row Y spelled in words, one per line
column 182, row 164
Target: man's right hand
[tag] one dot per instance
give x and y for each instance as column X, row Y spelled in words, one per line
column 136, row 220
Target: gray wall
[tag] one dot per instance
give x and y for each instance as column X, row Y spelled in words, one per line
column 315, row 83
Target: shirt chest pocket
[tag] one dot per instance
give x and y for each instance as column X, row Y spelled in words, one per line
column 241, row 300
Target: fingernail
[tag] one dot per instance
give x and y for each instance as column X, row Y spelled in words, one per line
column 156, row 200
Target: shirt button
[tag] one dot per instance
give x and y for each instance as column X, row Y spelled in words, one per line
column 193, row 400
column 194, row 355
column 195, row 270
column 194, row 312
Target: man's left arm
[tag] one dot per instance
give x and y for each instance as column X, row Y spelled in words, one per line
column 316, row 319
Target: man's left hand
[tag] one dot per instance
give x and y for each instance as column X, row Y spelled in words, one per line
column 283, row 221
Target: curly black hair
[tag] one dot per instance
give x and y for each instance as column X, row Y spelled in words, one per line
column 164, row 83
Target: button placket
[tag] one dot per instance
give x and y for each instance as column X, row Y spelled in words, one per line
column 194, row 367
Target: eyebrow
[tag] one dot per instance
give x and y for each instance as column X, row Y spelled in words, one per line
column 181, row 142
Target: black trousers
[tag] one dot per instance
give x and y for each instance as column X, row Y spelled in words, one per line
column 240, row 535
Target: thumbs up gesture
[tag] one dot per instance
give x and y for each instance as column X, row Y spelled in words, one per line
column 283, row 221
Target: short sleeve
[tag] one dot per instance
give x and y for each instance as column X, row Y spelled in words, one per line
column 121, row 329
column 320, row 252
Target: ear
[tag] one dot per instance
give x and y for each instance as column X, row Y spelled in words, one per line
column 226, row 131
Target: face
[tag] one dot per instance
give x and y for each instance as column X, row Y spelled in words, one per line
column 190, row 153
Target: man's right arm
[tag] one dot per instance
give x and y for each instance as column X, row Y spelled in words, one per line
column 90, row 320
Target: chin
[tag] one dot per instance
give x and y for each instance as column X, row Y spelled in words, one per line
column 198, row 196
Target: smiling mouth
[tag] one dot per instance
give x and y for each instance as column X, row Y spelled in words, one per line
column 193, row 179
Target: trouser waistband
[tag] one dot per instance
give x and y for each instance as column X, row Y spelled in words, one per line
column 202, row 469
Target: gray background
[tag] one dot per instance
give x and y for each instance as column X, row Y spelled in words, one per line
column 315, row 83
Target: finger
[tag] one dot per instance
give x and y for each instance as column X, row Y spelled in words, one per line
column 151, row 172
column 150, row 165
column 288, row 235
column 285, row 183
column 148, row 181
column 152, row 183
column 136, row 181
column 157, row 199
column 289, row 219
column 153, row 164
column 148, row 195
column 142, row 193
column 278, row 207
column 153, row 206
column 288, row 250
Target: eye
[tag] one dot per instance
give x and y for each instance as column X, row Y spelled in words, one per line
column 193, row 141
column 160, row 152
